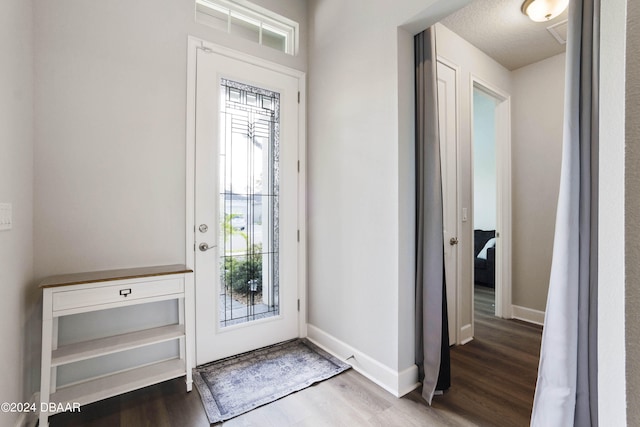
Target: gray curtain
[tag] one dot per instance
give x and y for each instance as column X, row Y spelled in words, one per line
column 432, row 340
column 566, row 392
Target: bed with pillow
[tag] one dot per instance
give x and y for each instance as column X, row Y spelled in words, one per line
column 484, row 245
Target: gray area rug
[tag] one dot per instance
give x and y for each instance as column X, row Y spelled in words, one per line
column 238, row 384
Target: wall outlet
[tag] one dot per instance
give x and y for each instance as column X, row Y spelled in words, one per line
column 5, row 216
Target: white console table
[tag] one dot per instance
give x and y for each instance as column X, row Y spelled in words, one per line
column 101, row 290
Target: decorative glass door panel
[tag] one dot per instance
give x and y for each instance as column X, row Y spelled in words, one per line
column 248, row 178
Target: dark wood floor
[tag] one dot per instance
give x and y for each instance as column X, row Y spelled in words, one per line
column 493, row 380
column 494, row 376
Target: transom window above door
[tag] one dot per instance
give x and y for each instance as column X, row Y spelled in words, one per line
column 249, row 21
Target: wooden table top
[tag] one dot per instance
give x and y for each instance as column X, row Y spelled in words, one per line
column 107, row 275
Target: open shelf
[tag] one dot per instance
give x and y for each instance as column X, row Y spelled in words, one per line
column 113, row 344
column 118, row 383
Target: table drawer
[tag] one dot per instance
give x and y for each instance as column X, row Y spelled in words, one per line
column 115, row 293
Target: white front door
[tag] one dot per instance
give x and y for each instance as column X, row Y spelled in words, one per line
column 449, row 160
column 246, row 206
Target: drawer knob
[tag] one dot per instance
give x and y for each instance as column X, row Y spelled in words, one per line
column 125, row 292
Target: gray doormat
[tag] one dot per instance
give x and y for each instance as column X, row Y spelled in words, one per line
column 238, row 384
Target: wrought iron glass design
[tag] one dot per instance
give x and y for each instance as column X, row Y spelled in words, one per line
column 249, row 186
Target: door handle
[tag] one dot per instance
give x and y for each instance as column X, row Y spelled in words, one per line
column 453, row 241
column 205, row 247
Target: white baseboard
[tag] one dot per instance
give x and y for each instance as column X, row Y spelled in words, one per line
column 396, row 383
column 407, row 381
column 528, row 315
column 29, row 419
column 466, row 334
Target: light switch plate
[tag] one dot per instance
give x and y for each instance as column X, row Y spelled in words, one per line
column 5, row 216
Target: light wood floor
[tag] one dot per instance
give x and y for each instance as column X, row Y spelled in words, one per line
column 493, row 380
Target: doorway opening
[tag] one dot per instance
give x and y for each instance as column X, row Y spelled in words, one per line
column 484, row 201
column 491, row 183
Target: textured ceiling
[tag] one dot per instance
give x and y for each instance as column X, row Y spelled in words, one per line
column 499, row 29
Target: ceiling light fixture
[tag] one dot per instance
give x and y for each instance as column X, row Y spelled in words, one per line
column 543, row 10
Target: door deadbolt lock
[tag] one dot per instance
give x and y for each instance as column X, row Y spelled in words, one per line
column 453, row 241
column 204, row 247
column 203, row 228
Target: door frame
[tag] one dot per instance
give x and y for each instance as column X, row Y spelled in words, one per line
column 503, row 283
column 193, row 44
column 458, row 302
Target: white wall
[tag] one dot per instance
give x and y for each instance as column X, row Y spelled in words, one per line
column 352, row 176
column 537, row 122
column 16, row 187
column 471, row 62
column 110, row 128
column 359, row 170
column 632, row 216
column 110, row 123
column 484, row 161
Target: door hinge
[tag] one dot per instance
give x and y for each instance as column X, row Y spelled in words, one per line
column 498, row 234
column 204, row 48
column 298, row 166
column 298, row 97
column 298, row 235
column 298, row 305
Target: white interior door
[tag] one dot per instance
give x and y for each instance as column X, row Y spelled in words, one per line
column 246, row 206
column 449, row 161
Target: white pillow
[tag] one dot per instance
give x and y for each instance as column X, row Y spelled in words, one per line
column 491, row 243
